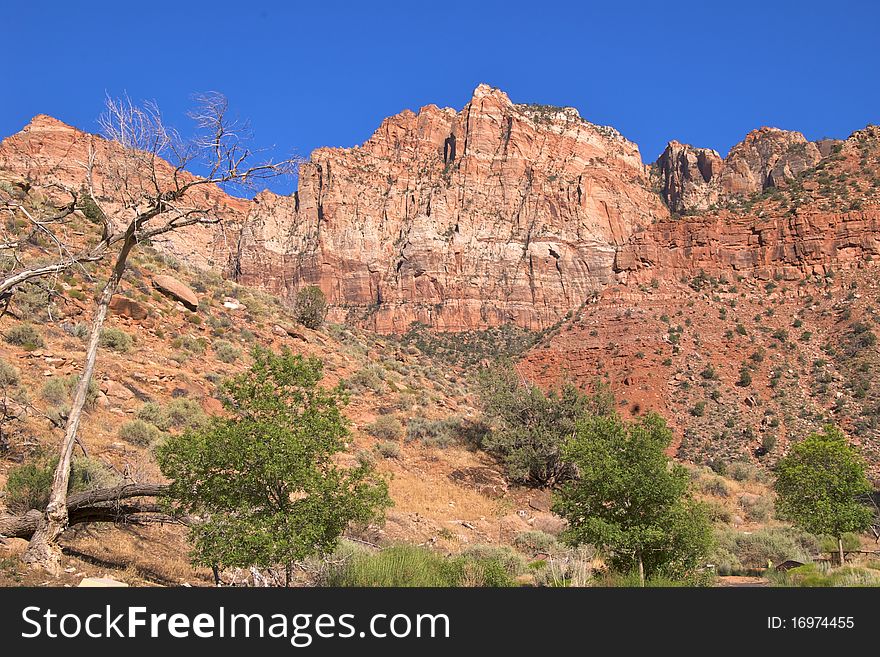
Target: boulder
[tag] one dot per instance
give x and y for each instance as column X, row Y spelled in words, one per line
column 128, row 308
column 174, row 289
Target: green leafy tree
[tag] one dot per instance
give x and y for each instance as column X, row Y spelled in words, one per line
column 264, row 479
column 530, row 427
column 310, row 307
column 630, row 499
column 821, row 485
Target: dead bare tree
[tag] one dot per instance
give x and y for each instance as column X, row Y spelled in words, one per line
column 143, row 189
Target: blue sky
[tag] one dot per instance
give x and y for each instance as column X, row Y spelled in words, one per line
column 309, row 74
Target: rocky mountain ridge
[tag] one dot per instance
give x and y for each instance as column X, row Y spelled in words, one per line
column 510, row 213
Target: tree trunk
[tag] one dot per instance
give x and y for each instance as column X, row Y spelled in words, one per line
column 102, row 505
column 43, row 548
column 840, row 548
column 641, row 571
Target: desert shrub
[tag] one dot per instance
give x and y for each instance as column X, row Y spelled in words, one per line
column 713, row 485
column 388, row 450
column 24, row 335
column 58, row 390
column 756, row 508
column 116, row 339
column 823, row 575
column 179, row 413
column 850, row 541
column 310, row 307
column 27, row 485
column 226, row 352
column 535, row 541
column 740, row 550
column 140, row 433
column 9, row 374
column 530, row 426
column 410, row 566
column 433, row 433
column 744, row 471
column 368, row 378
column 190, row 343
column 386, row 427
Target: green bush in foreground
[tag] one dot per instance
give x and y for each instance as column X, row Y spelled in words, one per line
column 265, row 477
column 821, row 485
column 631, row 500
column 116, row 340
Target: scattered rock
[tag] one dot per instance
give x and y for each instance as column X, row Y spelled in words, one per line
column 174, row 289
column 130, row 308
column 106, row 582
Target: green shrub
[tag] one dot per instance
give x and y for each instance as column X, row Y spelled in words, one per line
column 740, row 550
column 409, row 566
column 24, row 335
column 756, row 509
column 744, row 471
column 140, row 433
column 58, row 390
column 386, row 427
column 181, row 413
column 535, row 541
column 9, row 374
column 226, row 352
column 368, row 378
column 823, row 575
column 27, row 485
column 310, row 307
column 116, row 340
column 388, row 450
column 190, row 343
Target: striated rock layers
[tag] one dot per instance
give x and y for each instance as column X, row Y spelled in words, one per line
column 497, row 213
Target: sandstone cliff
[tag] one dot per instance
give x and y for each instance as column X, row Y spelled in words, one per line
column 497, row 213
column 695, row 179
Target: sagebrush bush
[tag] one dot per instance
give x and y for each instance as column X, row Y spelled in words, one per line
column 736, row 551
column 140, row 433
column 24, row 335
column 116, row 339
column 181, row 413
column 386, row 427
column 190, row 343
column 9, row 374
column 226, row 352
column 535, row 541
column 58, row 390
column 369, row 378
column 388, row 450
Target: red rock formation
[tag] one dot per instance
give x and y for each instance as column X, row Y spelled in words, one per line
column 694, row 179
column 48, row 151
column 459, row 220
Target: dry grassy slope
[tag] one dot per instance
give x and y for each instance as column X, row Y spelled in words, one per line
column 390, row 379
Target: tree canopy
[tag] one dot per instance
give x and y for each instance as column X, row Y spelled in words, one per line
column 265, row 479
column 822, row 484
column 630, row 499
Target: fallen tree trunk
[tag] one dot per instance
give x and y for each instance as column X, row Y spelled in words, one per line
column 101, row 505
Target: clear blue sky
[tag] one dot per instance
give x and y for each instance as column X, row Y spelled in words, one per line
column 317, row 73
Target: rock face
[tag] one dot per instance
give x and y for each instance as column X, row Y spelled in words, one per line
column 694, row 179
column 459, row 220
column 171, row 287
column 48, row 151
